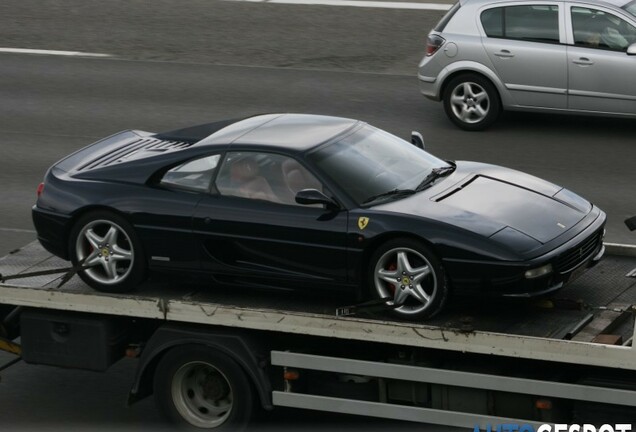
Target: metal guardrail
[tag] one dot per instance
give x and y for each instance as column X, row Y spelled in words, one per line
column 620, row 249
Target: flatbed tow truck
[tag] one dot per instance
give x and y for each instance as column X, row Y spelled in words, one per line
column 214, row 357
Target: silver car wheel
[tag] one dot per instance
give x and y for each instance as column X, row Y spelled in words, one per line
column 202, row 394
column 470, row 102
column 106, row 248
column 407, row 277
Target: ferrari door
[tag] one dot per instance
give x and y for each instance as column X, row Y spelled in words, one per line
column 164, row 216
column 252, row 229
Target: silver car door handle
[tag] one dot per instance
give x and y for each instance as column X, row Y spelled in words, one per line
column 583, row 61
column 504, row 54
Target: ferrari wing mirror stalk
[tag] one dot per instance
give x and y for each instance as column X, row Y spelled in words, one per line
column 314, row 196
column 417, row 139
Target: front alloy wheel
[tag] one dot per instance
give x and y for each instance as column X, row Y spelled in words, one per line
column 410, row 278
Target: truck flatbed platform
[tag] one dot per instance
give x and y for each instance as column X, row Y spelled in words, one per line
column 561, row 328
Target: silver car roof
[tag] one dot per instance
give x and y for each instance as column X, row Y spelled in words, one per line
column 616, row 3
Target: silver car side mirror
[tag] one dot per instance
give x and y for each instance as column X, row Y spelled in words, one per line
column 417, row 139
column 631, row 50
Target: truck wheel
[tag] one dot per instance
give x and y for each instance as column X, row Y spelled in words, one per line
column 197, row 387
column 471, row 102
column 411, row 277
column 107, row 242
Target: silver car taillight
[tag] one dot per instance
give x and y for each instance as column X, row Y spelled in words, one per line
column 433, row 43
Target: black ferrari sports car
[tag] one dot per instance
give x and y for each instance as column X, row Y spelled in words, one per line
column 298, row 201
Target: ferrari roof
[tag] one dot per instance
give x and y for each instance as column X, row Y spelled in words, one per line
column 290, row 131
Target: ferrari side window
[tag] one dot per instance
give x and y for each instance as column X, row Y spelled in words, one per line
column 264, row 176
column 194, row 175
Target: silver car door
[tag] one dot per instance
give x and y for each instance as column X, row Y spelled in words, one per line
column 523, row 42
column 601, row 73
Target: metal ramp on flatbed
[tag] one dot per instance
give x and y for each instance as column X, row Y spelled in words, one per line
column 554, row 329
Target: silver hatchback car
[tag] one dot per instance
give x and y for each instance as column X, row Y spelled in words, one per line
column 558, row 56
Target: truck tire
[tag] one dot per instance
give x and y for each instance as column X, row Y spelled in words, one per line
column 109, row 243
column 410, row 276
column 197, row 387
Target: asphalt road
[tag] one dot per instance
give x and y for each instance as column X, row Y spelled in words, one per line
column 178, row 63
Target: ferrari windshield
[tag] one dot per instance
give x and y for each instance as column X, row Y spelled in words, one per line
column 371, row 163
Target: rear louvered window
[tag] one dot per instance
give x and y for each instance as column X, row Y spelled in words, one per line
column 137, row 149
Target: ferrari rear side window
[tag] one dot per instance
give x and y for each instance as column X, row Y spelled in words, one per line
column 264, row 176
column 194, row 175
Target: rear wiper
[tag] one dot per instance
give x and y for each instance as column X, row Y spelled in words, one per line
column 435, row 174
column 391, row 193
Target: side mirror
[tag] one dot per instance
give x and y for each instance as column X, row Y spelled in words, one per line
column 631, row 50
column 417, row 139
column 631, row 223
column 314, row 196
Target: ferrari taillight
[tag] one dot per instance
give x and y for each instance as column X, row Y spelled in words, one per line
column 40, row 189
column 433, row 43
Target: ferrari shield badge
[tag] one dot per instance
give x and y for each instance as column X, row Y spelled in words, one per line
column 363, row 221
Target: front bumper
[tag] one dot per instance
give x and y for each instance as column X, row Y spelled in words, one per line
column 565, row 278
column 568, row 261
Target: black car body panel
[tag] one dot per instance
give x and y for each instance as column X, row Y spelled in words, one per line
column 487, row 224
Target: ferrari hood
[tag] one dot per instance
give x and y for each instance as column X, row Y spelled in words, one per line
column 499, row 202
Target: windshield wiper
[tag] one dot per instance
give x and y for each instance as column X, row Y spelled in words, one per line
column 391, row 193
column 435, row 174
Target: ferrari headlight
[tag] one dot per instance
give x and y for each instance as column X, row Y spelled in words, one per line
column 539, row 271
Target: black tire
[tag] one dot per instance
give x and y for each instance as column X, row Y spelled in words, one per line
column 408, row 284
column 125, row 274
column 471, row 101
column 191, row 382
column 10, row 328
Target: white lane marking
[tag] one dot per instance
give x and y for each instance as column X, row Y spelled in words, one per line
column 357, row 3
column 52, row 52
column 18, row 230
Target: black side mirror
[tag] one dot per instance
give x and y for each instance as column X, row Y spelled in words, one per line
column 631, row 223
column 417, row 139
column 314, row 196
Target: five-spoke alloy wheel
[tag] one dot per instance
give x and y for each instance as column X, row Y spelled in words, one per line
column 471, row 102
column 106, row 244
column 410, row 277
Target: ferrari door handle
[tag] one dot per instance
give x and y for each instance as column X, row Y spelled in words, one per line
column 504, row 54
column 583, row 61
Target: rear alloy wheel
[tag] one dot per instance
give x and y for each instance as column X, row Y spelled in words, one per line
column 410, row 277
column 471, row 102
column 198, row 387
column 107, row 244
